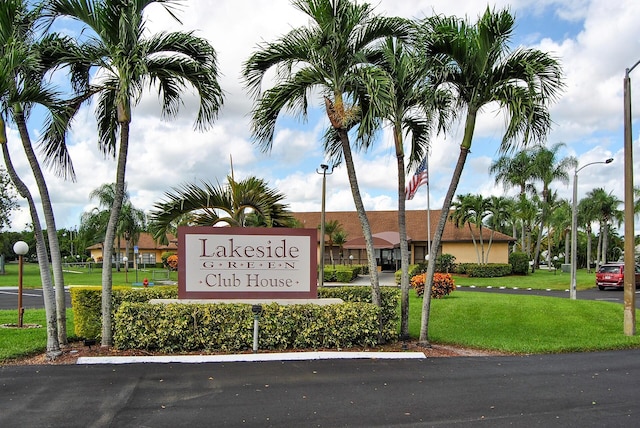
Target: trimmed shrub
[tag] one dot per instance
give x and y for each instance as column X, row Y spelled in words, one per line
column 446, row 263
column 519, row 263
column 443, row 284
column 86, row 303
column 493, row 270
column 227, row 326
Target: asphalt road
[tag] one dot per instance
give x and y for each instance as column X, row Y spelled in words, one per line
column 566, row 390
column 31, row 299
column 608, row 295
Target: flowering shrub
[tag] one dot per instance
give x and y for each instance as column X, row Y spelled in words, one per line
column 172, row 262
column 442, row 284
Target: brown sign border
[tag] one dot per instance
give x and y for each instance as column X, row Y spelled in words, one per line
column 202, row 230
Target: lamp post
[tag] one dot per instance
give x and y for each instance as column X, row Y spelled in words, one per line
column 324, row 168
column 20, row 248
column 629, row 233
column 125, row 260
column 574, row 227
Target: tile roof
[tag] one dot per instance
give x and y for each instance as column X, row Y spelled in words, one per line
column 145, row 242
column 387, row 221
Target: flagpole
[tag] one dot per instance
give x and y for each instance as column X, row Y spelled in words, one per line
column 428, row 210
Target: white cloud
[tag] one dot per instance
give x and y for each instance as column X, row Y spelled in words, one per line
column 164, row 154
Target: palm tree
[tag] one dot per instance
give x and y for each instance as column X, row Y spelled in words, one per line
column 131, row 223
column 331, row 57
column 412, row 105
column 131, row 59
column 476, row 62
column 606, row 206
column 514, row 171
column 547, row 168
column 560, row 224
column 472, row 210
column 500, row 209
column 330, row 229
column 28, row 58
column 53, row 344
column 209, row 205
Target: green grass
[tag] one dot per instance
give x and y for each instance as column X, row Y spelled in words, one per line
column 74, row 276
column 539, row 280
column 27, row 341
column 523, row 324
column 510, row 323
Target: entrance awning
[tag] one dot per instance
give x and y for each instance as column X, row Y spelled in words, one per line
column 382, row 240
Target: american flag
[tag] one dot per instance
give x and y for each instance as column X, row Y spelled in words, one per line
column 420, row 177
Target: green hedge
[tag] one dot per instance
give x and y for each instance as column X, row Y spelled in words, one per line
column 519, row 263
column 341, row 273
column 87, row 305
column 491, row 270
column 137, row 324
column 229, row 327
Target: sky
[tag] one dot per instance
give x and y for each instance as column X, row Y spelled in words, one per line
column 595, row 41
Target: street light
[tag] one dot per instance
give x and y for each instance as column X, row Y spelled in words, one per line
column 629, row 233
column 324, row 168
column 20, row 248
column 574, row 227
column 125, row 260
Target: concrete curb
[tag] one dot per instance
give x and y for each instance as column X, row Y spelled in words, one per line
column 284, row 356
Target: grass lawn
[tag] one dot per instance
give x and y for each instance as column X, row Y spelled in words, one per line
column 78, row 275
column 523, row 324
column 509, row 323
column 27, row 341
column 540, row 280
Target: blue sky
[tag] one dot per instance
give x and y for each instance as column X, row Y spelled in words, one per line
column 595, row 40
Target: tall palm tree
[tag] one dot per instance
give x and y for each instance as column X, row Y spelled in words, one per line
column 547, row 168
column 26, row 58
column 475, row 61
column 410, row 112
column 32, row 56
column 129, row 60
column 209, row 205
column 329, row 56
column 53, row 344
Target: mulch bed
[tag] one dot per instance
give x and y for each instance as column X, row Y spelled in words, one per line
column 76, row 350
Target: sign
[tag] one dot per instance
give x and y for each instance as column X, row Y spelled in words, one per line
column 135, row 249
column 247, row 263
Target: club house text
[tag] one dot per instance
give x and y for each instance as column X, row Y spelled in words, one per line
column 272, row 255
column 235, row 262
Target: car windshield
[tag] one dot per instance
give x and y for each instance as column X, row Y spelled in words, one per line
column 610, row 269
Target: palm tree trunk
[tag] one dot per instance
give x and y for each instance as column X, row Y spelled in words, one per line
column 589, row 249
column 599, row 248
column 402, row 229
column 362, row 215
column 567, row 242
column 53, row 346
column 107, row 276
column 437, row 240
column 52, row 234
column 605, row 242
column 475, row 243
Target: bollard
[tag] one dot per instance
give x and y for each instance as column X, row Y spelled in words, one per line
column 256, row 309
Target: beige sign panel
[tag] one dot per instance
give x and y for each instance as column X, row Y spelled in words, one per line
column 246, row 263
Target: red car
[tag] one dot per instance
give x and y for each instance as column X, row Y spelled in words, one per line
column 612, row 275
